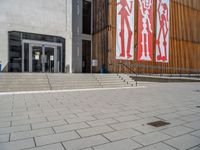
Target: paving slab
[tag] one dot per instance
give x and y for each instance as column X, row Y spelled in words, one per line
column 123, row 134
column 49, row 147
column 85, row 142
column 184, row 142
column 30, row 134
column 18, row 145
column 119, row 145
column 177, row 131
column 94, row 131
column 55, row 138
column 159, row 146
column 4, row 138
column 151, row 138
column 102, row 119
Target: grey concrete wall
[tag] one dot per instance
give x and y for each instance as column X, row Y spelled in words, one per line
column 78, row 35
column 50, row 17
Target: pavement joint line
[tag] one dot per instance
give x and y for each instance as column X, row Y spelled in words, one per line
column 63, row 146
column 145, row 146
column 34, row 141
column 170, row 145
column 197, row 146
column 63, row 91
column 107, row 138
column 88, row 124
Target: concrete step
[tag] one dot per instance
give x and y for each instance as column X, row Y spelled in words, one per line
column 23, row 89
column 37, row 82
column 22, row 81
column 112, row 81
column 105, row 75
column 112, row 84
column 74, row 87
column 116, row 86
column 57, row 85
column 106, row 80
column 116, row 77
column 72, row 79
column 73, row 82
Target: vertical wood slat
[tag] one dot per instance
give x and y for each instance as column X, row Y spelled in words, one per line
column 184, row 37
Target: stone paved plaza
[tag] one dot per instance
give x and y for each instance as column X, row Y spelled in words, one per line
column 115, row 119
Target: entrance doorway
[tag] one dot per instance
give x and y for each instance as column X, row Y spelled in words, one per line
column 41, row 57
column 86, row 60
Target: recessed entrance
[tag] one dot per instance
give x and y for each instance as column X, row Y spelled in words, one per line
column 29, row 52
column 86, row 59
column 41, row 57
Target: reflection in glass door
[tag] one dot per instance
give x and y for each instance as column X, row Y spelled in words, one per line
column 59, row 59
column 37, row 59
column 49, row 59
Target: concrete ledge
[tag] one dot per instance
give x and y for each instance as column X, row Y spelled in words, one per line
column 163, row 78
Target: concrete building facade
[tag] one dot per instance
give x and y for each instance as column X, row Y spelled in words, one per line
column 79, row 36
column 39, row 35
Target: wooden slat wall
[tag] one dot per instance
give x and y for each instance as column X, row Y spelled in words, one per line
column 184, row 38
column 100, row 33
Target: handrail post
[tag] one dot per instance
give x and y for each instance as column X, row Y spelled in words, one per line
column 136, row 83
column 137, row 73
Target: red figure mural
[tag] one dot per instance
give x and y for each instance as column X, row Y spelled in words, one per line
column 145, row 30
column 124, row 13
column 163, row 31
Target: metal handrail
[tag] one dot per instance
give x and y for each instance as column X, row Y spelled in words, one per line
column 174, row 69
column 179, row 71
column 130, row 69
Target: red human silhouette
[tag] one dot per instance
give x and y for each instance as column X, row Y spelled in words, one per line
column 164, row 29
column 146, row 32
column 124, row 13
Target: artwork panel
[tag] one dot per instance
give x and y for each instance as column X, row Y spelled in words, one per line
column 163, row 31
column 125, row 30
column 145, row 30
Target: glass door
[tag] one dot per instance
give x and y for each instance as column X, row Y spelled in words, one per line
column 36, row 59
column 50, row 59
column 42, row 57
column 59, row 59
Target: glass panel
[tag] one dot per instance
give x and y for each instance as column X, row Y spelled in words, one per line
column 86, row 17
column 59, row 59
column 15, row 52
column 46, row 38
column 26, row 57
column 49, row 59
column 37, row 59
column 86, row 64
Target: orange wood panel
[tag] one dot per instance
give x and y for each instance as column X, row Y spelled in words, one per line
column 184, row 38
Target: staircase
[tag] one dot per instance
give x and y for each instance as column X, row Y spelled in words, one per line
column 72, row 81
column 23, row 82
column 10, row 82
column 113, row 80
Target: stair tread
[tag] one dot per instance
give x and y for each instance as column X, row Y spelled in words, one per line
column 37, row 82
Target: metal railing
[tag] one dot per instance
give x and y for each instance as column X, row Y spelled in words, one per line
column 174, row 71
column 132, row 71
